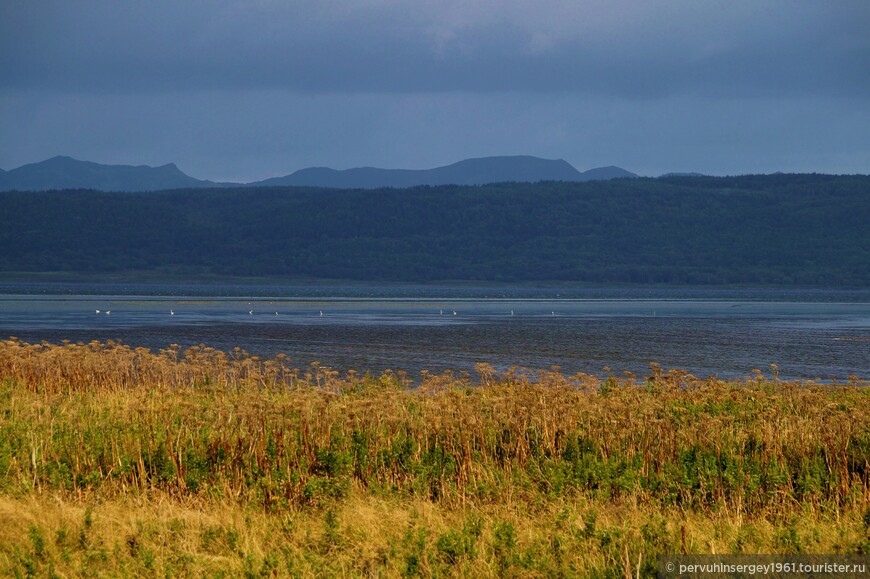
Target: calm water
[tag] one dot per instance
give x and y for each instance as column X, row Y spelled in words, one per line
column 808, row 334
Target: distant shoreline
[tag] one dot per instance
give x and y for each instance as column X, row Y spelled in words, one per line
column 180, row 278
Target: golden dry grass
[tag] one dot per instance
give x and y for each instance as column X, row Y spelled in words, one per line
column 123, row 461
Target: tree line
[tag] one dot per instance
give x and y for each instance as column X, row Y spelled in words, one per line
column 760, row 229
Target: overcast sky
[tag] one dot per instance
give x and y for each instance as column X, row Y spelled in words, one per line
column 240, row 91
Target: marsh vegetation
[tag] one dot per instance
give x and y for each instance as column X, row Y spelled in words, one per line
column 119, row 460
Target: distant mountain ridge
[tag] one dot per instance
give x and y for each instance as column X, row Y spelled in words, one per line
column 477, row 171
column 67, row 173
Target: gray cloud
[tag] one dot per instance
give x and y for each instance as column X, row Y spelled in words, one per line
column 628, row 49
column 247, row 90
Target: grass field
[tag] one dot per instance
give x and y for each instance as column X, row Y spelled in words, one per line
column 120, row 461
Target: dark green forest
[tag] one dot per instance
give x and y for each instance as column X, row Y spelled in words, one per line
column 809, row 230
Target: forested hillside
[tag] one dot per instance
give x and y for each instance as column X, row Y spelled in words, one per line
column 775, row 229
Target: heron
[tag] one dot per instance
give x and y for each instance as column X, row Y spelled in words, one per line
column 321, row 313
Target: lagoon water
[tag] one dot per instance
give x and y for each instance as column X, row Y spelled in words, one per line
column 809, row 334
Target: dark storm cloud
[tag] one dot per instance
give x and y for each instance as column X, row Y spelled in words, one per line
column 629, row 49
column 234, row 90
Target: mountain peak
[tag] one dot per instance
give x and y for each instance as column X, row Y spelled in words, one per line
column 607, row 173
column 60, row 160
column 62, row 172
column 170, row 168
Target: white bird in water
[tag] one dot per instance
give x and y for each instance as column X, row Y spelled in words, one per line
column 108, row 312
column 171, row 312
column 276, row 313
column 553, row 313
column 442, row 312
column 454, row 312
column 321, row 312
column 98, row 311
column 250, row 312
column 512, row 312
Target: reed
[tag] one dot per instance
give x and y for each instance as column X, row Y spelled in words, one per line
column 619, row 468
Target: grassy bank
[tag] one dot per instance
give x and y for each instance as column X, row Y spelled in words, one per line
column 123, row 461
